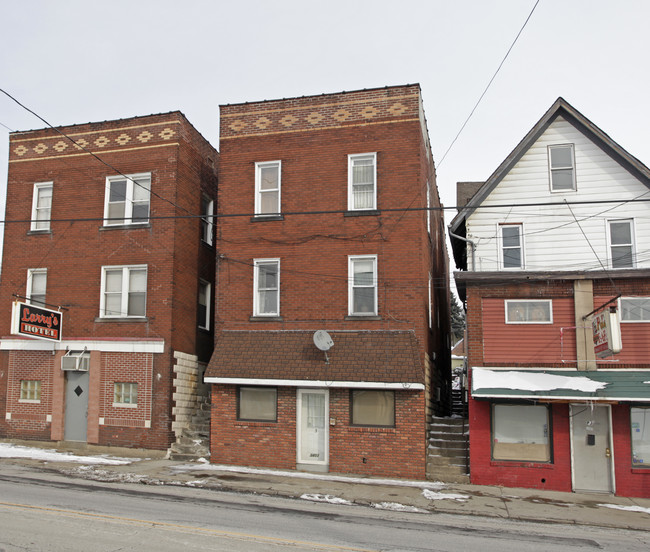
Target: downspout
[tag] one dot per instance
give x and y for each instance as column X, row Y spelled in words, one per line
column 470, row 242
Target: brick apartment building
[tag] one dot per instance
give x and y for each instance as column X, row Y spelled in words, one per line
column 315, row 233
column 118, row 246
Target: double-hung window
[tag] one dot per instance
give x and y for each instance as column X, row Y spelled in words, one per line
column 127, row 199
column 41, row 207
column 267, row 188
column 635, row 309
column 512, row 247
column 207, row 224
column 124, row 291
column 204, row 305
column 362, row 285
column 621, row 243
column 561, row 163
column 266, row 298
column 36, row 285
column 362, row 182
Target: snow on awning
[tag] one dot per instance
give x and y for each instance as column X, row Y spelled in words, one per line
column 599, row 385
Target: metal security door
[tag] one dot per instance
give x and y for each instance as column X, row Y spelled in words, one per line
column 313, row 429
column 591, row 447
column 76, row 406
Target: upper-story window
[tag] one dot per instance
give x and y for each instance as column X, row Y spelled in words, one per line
column 529, row 311
column 41, row 206
column 267, row 188
column 621, row 243
column 207, row 224
column 124, row 291
column 266, row 298
column 204, row 305
column 512, row 246
column 127, row 199
column 362, row 181
column 635, row 309
column 362, row 292
column 561, row 162
column 36, row 285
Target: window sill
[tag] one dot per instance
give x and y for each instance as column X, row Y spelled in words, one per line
column 637, row 469
column 362, row 213
column 38, row 232
column 521, row 464
column 124, row 226
column 266, row 218
column 244, row 424
column 125, row 405
column 362, row 317
column 136, row 320
column 372, row 429
column 265, row 319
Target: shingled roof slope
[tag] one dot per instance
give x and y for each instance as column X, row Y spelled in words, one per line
column 371, row 356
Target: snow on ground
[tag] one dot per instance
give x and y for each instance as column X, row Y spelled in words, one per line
column 308, row 475
column 331, row 499
column 432, row 495
column 627, row 508
column 7, row 450
column 397, row 507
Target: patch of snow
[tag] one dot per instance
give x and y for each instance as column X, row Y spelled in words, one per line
column 7, row 450
column 531, row 381
column 397, row 507
column 432, row 495
column 627, row 508
column 326, row 498
column 202, row 461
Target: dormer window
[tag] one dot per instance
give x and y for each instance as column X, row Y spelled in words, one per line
column 561, row 162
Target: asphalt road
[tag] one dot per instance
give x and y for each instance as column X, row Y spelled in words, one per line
column 48, row 511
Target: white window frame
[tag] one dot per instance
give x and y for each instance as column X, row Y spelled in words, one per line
column 352, row 158
column 41, row 225
column 632, row 245
column 501, row 246
column 131, row 183
column 126, row 389
column 30, row 391
column 124, row 291
column 205, row 324
column 207, row 220
column 258, row 188
column 29, row 288
column 549, row 302
column 352, row 259
column 571, row 167
column 642, row 441
column 632, row 300
column 257, row 291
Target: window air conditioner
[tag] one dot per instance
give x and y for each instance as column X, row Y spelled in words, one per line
column 76, row 361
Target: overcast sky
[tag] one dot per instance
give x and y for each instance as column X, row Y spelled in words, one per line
column 76, row 61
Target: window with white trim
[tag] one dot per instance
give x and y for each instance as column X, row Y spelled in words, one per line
column 512, row 247
column 124, row 291
column 125, row 394
column 36, row 286
column 267, row 188
column 640, row 425
column 370, row 407
column 362, row 285
column 207, row 223
column 521, row 432
column 266, row 283
column 635, row 309
column 529, row 311
column 30, row 391
column 561, row 166
column 362, row 181
column 41, row 206
column 257, row 404
column 127, row 199
column 621, row 243
column 204, row 305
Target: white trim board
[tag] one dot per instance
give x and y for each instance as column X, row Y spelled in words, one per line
column 105, row 346
column 317, row 383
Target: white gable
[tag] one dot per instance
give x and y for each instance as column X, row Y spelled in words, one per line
column 551, row 237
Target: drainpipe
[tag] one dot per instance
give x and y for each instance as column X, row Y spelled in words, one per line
column 470, row 242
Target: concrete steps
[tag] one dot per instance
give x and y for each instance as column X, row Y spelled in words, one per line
column 194, row 441
column 448, row 450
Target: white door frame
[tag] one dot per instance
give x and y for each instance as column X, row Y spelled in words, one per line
column 299, row 395
column 612, row 462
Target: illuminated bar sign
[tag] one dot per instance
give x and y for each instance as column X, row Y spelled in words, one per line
column 33, row 321
column 607, row 333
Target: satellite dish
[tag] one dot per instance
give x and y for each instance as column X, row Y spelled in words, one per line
column 322, row 340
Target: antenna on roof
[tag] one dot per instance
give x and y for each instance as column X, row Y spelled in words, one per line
column 324, row 342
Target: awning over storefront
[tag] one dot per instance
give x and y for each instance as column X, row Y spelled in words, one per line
column 568, row 385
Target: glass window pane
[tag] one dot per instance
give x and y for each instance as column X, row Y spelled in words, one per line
column 269, row 178
column 116, row 212
column 510, row 236
column 373, row 408
column 520, row 432
column 635, row 309
column 562, row 179
column 561, row 157
column 640, row 425
column 257, row 403
column 268, row 302
column 363, row 171
column 137, row 302
column 114, row 280
column 117, row 191
column 44, row 199
column 137, row 279
column 622, row 257
column 269, row 202
column 140, row 212
column 621, row 233
column 141, row 188
column 364, row 272
column 113, row 305
column 268, row 276
column 364, row 300
column 512, row 258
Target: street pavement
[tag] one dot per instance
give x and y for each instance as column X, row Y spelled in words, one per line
column 138, row 466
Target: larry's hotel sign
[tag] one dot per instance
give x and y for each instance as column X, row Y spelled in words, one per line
column 33, row 321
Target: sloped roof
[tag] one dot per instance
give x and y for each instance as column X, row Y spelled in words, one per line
column 388, row 357
column 560, row 108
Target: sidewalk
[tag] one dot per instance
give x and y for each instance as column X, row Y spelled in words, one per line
column 122, row 465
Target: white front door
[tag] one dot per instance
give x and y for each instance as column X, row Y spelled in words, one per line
column 312, row 427
column 591, row 447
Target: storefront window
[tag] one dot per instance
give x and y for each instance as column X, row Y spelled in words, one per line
column 640, row 420
column 520, row 432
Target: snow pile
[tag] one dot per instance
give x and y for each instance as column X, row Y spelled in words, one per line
column 531, row 381
column 432, row 495
column 397, row 507
column 7, row 450
column 326, row 498
column 627, row 508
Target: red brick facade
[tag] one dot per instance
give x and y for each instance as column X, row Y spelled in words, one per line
column 75, row 248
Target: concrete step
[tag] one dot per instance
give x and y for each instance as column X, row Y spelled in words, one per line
column 441, row 436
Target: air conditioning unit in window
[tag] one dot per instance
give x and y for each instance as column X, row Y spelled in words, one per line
column 75, row 361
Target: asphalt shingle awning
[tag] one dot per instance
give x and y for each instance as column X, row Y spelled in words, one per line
column 598, row 385
column 377, row 359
